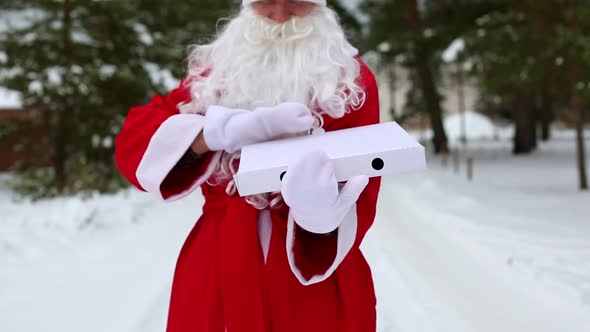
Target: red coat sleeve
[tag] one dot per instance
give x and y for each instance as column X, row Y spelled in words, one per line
column 153, row 139
column 315, row 257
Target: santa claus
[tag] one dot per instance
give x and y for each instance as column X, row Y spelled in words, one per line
column 287, row 261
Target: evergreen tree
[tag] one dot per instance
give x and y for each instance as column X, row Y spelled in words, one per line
column 531, row 58
column 408, row 33
column 515, row 66
column 80, row 66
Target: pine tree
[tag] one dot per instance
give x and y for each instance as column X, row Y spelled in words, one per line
column 404, row 33
column 80, row 66
column 515, row 67
column 532, row 57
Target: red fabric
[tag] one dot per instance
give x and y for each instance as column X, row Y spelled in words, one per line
column 314, row 253
column 221, row 280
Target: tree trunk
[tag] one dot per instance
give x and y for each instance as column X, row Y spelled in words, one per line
column 432, row 99
column 577, row 109
column 525, row 133
column 61, row 141
column 546, row 116
column 430, row 92
column 461, row 99
column 581, row 145
column 392, row 90
column 545, row 124
column 60, row 153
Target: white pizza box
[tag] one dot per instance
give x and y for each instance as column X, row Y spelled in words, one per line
column 374, row 150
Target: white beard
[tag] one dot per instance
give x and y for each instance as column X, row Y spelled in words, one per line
column 257, row 62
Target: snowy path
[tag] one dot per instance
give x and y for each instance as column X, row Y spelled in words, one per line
column 450, row 282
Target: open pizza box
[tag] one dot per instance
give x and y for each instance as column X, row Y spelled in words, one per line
column 374, row 150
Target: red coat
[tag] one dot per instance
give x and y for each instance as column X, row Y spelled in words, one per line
column 224, row 279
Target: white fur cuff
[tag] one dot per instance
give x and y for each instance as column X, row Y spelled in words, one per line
column 166, row 147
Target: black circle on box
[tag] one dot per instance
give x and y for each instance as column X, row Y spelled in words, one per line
column 378, row 164
column 283, row 174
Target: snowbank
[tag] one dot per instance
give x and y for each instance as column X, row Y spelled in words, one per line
column 477, row 126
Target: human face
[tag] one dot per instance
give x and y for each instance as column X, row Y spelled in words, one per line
column 281, row 11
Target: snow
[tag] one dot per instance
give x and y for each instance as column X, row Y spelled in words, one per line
column 477, row 126
column 161, row 76
column 384, row 47
column 143, row 33
column 82, row 37
column 452, row 52
column 20, row 19
column 480, row 128
column 508, row 251
column 101, row 264
column 55, row 74
column 353, row 7
column 10, row 99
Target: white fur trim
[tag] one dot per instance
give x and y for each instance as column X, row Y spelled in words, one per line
column 319, row 2
column 168, row 144
column 346, row 237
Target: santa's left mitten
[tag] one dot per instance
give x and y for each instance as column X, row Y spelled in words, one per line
column 311, row 191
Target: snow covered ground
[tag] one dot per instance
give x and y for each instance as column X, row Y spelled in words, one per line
column 9, row 99
column 509, row 251
column 104, row 264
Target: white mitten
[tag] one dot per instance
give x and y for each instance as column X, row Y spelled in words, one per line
column 310, row 189
column 231, row 129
